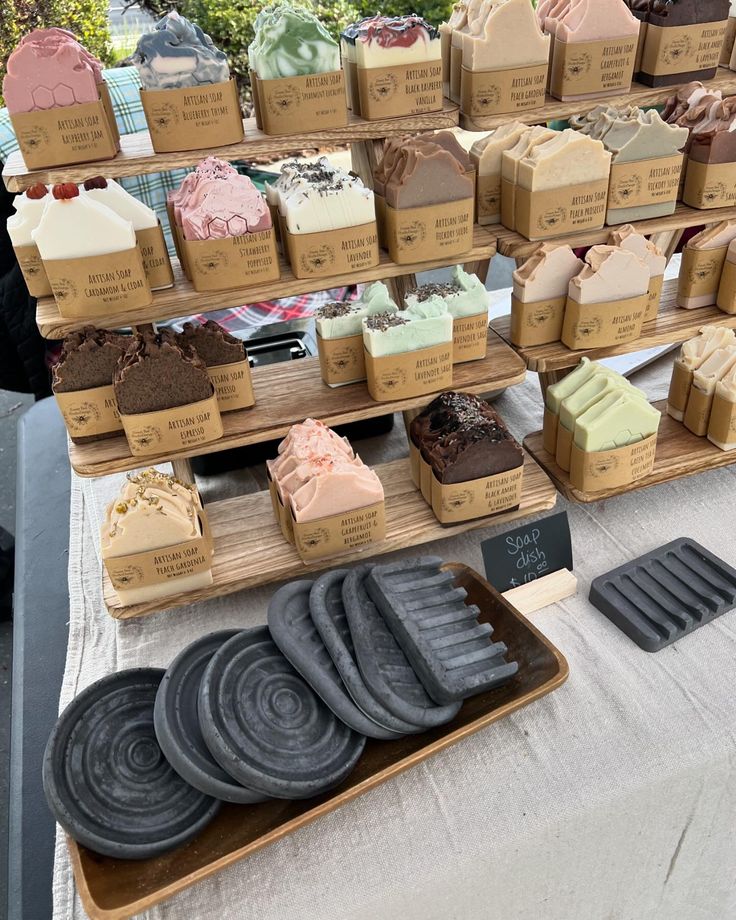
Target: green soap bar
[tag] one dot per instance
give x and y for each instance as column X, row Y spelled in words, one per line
column 602, row 382
column 563, row 388
column 618, row 419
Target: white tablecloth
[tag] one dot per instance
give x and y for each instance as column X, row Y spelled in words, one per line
column 614, row 798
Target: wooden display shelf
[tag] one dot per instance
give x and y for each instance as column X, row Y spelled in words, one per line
column 137, row 157
column 553, row 109
column 679, row 453
column 183, row 300
column 672, row 325
column 289, row 393
column 513, row 244
column 250, row 549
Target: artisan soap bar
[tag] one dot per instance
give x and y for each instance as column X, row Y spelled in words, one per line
column 390, row 41
column 213, row 344
column 177, row 54
column 628, row 238
column 486, row 155
column 511, row 37
column 29, row 207
column 693, row 354
column 73, row 226
column 50, row 69
column 313, row 197
column 566, row 159
column 610, row 274
column 289, row 42
column 421, row 325
column 620, row 418
column 337, row 320
column 415, row 172
column 546, row 274
column 227, row 205
column 154, row 511
column 703, row 258
column 463, row 295
column 602, row 383
column 556, row 392
column 692, row 46
column 114, row 196
column 596, row 20
column 713, row 368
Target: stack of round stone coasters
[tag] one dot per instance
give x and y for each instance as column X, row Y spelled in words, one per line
column 140, row 761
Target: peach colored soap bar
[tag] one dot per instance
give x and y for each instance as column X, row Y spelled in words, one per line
column 611, row 274
column 510, row 37
column 546, row 274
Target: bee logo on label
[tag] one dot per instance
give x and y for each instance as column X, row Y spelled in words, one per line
column 79, row 417
column 127, row 577
column 587, row 328
column 33, row 138
column 314, row 537
column 285, row 100
column 673, row 52
column 383, row 88
column 146, row 437
column 485, row 100
column 212, row 262
column 607, row 464
column 539, row 316
column 392, row 380
column 703, row 271
column 552, row 218
column 626, row 189
column 164, row 116
column 578, row 65
column 714, row 193
column 64, row 289
column 457, row 500
column 317, row 259
column 412, row 234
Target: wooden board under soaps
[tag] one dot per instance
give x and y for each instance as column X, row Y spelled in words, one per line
column 513, row 244
column 679, row 453
column 553, row 109
column 250, row 549
column 183, row 300
column 137, row 157
column 672, row 325
column 289, row 393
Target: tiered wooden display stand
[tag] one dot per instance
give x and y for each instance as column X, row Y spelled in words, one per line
column 249, row 547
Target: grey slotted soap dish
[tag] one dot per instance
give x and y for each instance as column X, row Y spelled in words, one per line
column 666, row 593
column 440, row 634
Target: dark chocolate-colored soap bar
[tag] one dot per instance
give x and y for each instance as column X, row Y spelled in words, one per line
column 666, row 594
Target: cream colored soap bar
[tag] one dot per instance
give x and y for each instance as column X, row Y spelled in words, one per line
column 568, row 158
column 626, row 237
column 510, row 37
column 525, row 145
column 546, row 274
column 487, row 152
column 610, row 274
column 726, row 386
column 618, row 419
column 710, row 338
column 715, row 367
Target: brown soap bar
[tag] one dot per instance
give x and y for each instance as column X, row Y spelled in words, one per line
column 157, row 373
column 463, row 438
column 212, row 343
column 415, row 172
column 88, row 359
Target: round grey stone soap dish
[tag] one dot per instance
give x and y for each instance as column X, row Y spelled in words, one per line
column 176, row 720
column 105, row 776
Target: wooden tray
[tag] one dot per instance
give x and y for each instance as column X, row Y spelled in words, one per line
column 290, row 392
column 680, row 453
column 250, row 549
column 183, row 300
column 640, row 95
column 672, row 325
column 115, row 889
column 137, row 157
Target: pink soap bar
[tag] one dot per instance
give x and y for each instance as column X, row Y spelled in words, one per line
column 50, row 69
column 337, row 493
column 228, row 206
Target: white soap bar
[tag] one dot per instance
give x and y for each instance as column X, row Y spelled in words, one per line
column 28, row 213
column 72, row 228
column 122, row 203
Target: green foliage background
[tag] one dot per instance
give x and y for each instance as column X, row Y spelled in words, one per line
column 86, row 18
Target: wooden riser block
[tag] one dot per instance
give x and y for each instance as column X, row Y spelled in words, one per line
column 672, row 325
column 183, row 300
column 516, row 246
column 542, row 592
column 137, row 158
column 290, row 392
column 250, row 549
column 680, row 453
column 640, row 95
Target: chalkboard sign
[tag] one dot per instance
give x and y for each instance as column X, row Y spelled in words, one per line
column 526, row 553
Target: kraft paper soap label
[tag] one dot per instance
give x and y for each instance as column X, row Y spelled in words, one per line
column 446, row 48
column 466, row 501
column 697, row 412
column 488, row 198
column 340, row 533
column 233, row 386
column 549, row 431
column 89, row 413
column 563, row 447
column 293, row 105
column 537, row 322
column 655, row 295
column 409, row 374
column 580, row 68
column 710, row 185
column 65, row 135
column 432, row 232
column 155, row 255
column 232, row 262
column 425, row 480
column 193, row 118
column 469, row 338
column 682, row 379
column 595, row 325
column 160, row 565
column 722, row 422
column 332, row 252
column 545, row 214
column 99, row 284
column 456, row 72
column 414, row 464
column 596, row 471
column 700, row 272
column 341, row 360
column 726, row 300
column 169, row 430
column 351, row 86
column 681, row 49
column 34, row 274
column 644, row 182
column 404, row 89
column 502, row 92
column 508, row 203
